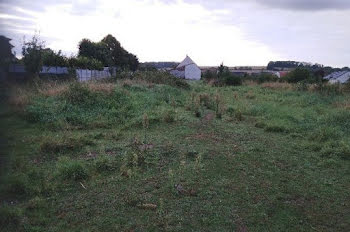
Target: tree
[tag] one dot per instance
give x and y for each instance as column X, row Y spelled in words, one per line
column 85, row 63
column 52, row 58
column 98, row 51
column 32, row 52
column 6, row 55
column 109, row 52
column 119, row 56
column 299, row 74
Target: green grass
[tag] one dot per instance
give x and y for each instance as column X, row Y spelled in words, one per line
column 248, row 157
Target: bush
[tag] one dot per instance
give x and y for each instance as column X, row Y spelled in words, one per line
column 69, row 169
column 297, row 75
column 232, row 80
column 329, row 89
column 267, row 77
column 209, row 75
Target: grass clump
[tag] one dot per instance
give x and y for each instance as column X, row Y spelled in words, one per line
column 70, row 169
column 105, row 164
column 63, row 144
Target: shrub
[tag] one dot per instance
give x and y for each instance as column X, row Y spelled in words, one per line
column 329, row 89
column 232, row 80
column 209, row 75
column 267, row 77
column 69, row 169
column 297, row 75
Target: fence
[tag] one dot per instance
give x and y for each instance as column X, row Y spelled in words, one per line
column 82, row 74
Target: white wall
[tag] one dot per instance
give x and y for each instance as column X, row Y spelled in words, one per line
column 192, row 72
column 86, row 74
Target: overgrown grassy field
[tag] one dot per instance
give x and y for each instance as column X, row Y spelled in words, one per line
column 151, row 155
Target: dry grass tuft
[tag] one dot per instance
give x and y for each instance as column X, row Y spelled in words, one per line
column 131, row 82
column 52, row 89
column 278, row 85
column 250, row 83
column 101, row 87
column 344, row 105
column 20, row 96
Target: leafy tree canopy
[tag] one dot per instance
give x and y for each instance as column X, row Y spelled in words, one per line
column 109, row 52
column 32, row 52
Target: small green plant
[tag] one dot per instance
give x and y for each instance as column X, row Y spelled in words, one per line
column 169, row 116
column 238, row 115
column 69, row 169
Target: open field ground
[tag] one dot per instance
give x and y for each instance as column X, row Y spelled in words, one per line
column 134, row 155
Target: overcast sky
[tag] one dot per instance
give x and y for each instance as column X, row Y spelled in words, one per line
column 236, row 32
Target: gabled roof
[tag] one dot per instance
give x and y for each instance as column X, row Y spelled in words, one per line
column 185, row 62
column 341, row 77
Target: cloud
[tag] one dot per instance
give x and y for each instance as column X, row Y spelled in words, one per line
column 302, row 5
column 306, row 5
column 240, row 32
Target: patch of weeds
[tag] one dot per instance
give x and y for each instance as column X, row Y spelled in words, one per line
column 69, row 169
column 62, row 144
column 169, row 116
column 79, row 94
column 219, row 106
column 192, row 154
column 35, row 203
column 105, row 163
column 17, row 184
column 260, row 125
column 324, row 134
column 338, row 148
column 10, row 218
column 204, row 99
column 238, row 115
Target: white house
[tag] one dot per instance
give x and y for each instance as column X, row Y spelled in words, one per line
column 338, row 77
column 187, row 69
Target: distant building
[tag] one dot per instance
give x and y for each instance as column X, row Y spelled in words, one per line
column 187, row 69
column 338, row 77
